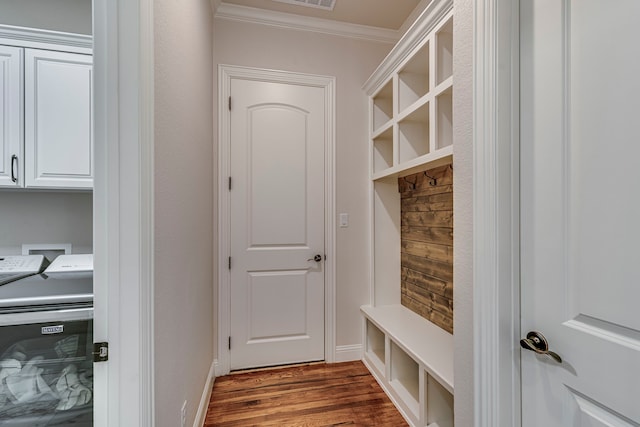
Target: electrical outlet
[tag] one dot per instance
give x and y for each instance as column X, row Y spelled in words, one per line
column 183, row 414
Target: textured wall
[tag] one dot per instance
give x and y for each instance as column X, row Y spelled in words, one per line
column 184, row 214
column 463, row 203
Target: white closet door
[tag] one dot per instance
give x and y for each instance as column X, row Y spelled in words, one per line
column 58, row 119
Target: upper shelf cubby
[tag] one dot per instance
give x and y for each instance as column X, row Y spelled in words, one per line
column 413, row 78
column 411, row 92
column 444, row 48
column 383, row 106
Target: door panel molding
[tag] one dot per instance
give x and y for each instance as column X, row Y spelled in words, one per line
column 226, row 73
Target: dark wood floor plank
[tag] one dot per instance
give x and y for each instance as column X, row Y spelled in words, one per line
column 341, row 394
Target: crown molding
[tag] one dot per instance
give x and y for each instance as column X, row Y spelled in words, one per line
column 233, row 12
column 425, row 23
column 51, row 40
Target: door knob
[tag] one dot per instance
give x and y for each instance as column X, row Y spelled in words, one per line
column 535, row 341
column 316, row 258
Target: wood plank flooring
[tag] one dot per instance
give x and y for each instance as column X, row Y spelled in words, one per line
column 311, row 395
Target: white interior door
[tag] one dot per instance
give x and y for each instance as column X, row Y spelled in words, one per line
column 580, row 211
column 277, row 223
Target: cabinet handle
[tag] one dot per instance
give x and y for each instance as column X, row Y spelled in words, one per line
column 14, row 166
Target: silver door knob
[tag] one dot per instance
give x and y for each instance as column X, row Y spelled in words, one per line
column 535, row 341
column 316, row 258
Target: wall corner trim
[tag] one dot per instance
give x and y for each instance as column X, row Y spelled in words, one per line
column 290, row 21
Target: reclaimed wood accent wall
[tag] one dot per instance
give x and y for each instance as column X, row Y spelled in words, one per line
column 427, row 244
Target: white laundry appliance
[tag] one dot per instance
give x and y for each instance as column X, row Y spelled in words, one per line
column 46, row 344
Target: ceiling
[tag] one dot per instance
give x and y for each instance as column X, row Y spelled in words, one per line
column 389, row 14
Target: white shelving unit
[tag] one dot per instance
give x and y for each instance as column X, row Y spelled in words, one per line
column 411, row 129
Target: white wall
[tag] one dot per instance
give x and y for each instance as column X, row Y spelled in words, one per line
column 45, row 217
column 463, row 213
column 72, row 16
column 184, row 214
column 351, row 62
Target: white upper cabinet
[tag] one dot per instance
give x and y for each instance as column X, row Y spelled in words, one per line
column 58, row 124
column 46, row 118
column 11, row 116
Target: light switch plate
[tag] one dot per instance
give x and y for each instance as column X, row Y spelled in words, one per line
column 344, row 220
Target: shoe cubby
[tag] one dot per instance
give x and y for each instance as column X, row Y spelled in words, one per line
column 376, row 347
column 438, row 403
column 405, row 379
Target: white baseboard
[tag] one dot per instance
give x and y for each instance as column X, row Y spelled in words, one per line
column 206, row 396
column 348, row 353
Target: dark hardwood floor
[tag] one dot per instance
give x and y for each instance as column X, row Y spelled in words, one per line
column 337, row 394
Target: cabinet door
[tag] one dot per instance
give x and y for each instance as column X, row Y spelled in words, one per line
column 58, row 120
column 11, row 117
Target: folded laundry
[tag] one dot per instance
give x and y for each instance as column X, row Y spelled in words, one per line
column 40, row 380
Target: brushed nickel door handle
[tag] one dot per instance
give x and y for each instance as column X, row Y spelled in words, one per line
column 316, row 258
column 536, row 342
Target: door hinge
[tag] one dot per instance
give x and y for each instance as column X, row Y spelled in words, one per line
column 229, row 183
column 100, row 351
column 229, row 103
column 229, row 263
column 229, row 343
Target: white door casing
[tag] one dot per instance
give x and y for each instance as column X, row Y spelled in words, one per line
column 260, row 235
column 277, row 223
column 580, row 206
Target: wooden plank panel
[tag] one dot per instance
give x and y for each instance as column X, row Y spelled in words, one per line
column 427, row 266
column 440, row 235
column 427, row 219
column 428, row 283
column 427, row 244
column 307, row 395
column 429, row 250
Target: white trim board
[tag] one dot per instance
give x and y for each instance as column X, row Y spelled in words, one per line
column 348, row 353
column 234, row 12
column 225, row 74
column 496, row 246
column 201, row 415
column 45, row 39
column 123, row 212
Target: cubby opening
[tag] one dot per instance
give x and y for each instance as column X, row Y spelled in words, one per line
column 444, row 52
column 444, row 118
column 383, row 106
column 413, row 135
column 413, row 78
column 405, row 378
column 383, row 151
column 375, row 345
column 438, row 402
